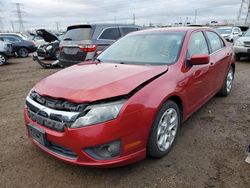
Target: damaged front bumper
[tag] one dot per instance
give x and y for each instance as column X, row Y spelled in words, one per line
column 39, row 60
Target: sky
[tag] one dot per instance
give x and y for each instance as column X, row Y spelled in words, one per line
column 51, row 13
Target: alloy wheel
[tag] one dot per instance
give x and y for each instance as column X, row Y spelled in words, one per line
column 167, row 129
column 2, row 59
column 229, row 83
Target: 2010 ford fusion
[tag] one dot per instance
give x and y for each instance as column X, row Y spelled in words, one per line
column 130, row 101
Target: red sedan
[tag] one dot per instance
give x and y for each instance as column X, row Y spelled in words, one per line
column 130, row 101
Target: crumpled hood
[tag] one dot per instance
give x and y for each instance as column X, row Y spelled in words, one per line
column 92, row 82
column 47, row 36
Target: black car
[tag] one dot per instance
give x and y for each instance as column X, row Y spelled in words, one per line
column 49, row 50
column 82, row 42
column 21, row 45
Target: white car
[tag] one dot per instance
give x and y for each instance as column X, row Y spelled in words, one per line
column 5, row 52
column 242, row 46
column 231, row 34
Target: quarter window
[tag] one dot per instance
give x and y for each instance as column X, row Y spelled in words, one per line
column 215, row 41
column 197, row 44
column 110, row 34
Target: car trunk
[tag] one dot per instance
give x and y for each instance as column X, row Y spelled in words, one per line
column 76, row 42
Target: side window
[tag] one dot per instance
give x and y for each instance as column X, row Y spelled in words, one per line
column 10, row 39
column 1, row 39
column 197, row 44
column 110, row 34
column 215, row 41
column 126, row 30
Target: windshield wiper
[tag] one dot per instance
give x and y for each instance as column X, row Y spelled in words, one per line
column 67, row 39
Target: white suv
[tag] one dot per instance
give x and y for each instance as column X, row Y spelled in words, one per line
column 231, row 34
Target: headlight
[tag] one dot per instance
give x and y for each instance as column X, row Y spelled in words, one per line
column 239, row 43
column 98, row 113
column 49, row 47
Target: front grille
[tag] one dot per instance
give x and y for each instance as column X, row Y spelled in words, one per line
column 57, row 104
column 61, row 150
column 51, row 121
column 247, row 43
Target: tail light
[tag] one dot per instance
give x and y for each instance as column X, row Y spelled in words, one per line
column 61, row 48
column 88, row 47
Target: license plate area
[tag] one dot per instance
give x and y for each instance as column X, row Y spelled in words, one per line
column 70, row 51
column 38, row 135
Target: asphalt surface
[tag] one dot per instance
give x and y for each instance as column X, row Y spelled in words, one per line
column 209, row 152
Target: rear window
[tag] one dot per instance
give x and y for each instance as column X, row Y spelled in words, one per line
column 79, row 33
column 126, row 30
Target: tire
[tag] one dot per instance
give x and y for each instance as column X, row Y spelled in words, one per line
column 23, row 52
column 3, row 59
column 56, row 54
column 228, row 83
column 163, row 132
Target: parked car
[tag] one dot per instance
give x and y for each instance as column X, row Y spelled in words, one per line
column 38, row 40
column 81, row 42
column 49, row 50
column 242, row 46
column 230, row 33
column 132, row 99
column 21, row 45
column 5, row 52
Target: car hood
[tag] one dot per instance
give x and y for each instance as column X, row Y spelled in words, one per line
column 91, row 82
column 47, row 36
column 225, row 35
column 244, row 39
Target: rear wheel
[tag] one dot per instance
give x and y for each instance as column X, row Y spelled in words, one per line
column 228, row 83
column 3, row 59
column 164, row 130
column 22, row 52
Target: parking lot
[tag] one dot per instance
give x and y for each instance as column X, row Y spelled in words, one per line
column 209, row 152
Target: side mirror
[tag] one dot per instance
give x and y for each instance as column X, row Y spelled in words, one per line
column 200, row 59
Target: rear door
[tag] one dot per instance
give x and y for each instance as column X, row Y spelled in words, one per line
column 220, row 57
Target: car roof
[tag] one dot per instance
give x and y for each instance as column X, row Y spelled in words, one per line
column 225, row 27
column 102, row 25
column 172, row 29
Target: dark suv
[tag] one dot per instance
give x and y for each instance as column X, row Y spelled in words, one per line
column 21, row 45
column 81, row 42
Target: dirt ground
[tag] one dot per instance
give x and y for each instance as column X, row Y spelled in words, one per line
column 209, row 152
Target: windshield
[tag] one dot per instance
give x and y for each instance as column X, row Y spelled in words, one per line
column 225, row 31
column 153, row 48
column 79, row 34
column 247, row 33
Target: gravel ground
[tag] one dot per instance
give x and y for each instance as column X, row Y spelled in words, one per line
column 209, row 152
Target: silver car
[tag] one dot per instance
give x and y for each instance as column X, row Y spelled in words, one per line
column 231, row 34
column 242, row 46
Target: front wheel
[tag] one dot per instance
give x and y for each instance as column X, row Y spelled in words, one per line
column 3, row 59
column 228, row 83
column 22, row 52
column 164, row 130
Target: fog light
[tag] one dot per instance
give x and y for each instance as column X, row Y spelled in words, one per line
column 106, row 151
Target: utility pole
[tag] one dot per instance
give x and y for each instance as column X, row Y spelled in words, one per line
column 57, row 26
column 244, row 12
column 1, row 18
column 12, row 26
column 20, row 17
column 134, row 18
column 195, row 16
